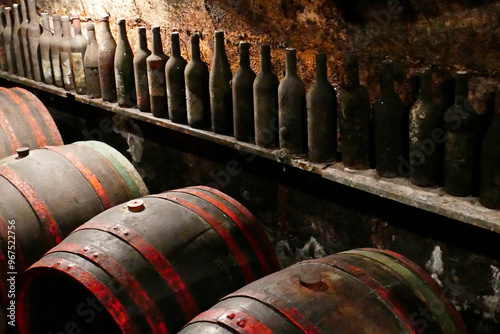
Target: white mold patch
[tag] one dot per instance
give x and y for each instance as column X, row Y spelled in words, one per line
column 435, row 264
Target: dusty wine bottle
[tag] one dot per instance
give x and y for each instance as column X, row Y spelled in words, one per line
column 321, row 116
column 67, row 68
column 390, row 119
column 221, row 106
column 242, row 87
column 459, row 149
column 354, row 118
column 78, row 48
column 124, row 68
column 425, row 117
column 292, row 105
column 7, row 37
column 55, row 51
column 45, row 40
column 176, row 86
column 196, row 76
column 4, row 66
column 34, row 41
column 16, row 41
column 141, row 71
column 23, row 35
column 265, row 100
column 156, row 77
column 91, row 64
column 106, row 57
column 489, row 187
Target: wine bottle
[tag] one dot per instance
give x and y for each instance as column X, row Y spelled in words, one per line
column 292, row 105
column 45, row 39
column 156, row 63
column 321, row 116
column 7, row 37
column 390, row 119
column 460, row 135
column 176, row 86
column 124, row 68
column 220, row 89
column 196, row 76
column 242, row 87
column 106, row 56
column 67, row 67
column 4, row 66
column 265, row 100
column 34, row 41
column 425, row 118
column 23, row 31
column 78, row 48
column 16, row 41
column 354, row 118
column 141, row 71
column 91, row 64
column 489, row 186
column 55, row 51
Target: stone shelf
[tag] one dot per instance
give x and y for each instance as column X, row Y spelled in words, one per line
column 467, row 209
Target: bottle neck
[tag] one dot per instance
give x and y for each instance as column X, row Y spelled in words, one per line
column 352, row 71
column 265, row 58
column 321, row 68
column 122, row 30
column 57, row 26
column 157, row 44
column 245, row 55
column 104, row 28
column 45, row 23
column 195, row 47
column 143, row 41
column 424, row 91
column 8, row 16
column 32, row 10
column 175, row 44
column 77, row 26
column 219, row 42
column 387, row 84
column 461, row 87
column 291, row 62
column 91, row 34
column 17, row 14
column 66, row 28
column 24, row 11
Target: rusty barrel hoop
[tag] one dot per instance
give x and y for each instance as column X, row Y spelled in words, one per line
column 350, row 292
column 152, row 264
column 24, row 121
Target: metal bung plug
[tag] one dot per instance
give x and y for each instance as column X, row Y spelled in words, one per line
column 136, row 205
column 23, row 152
column 313, row 281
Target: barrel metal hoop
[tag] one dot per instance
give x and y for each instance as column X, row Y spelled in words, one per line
column 20, row 262
column 264, row 239
column 423, row 275
column 291, row 313
column 48, row 224
column 85, row 278
column 86, row 173
column 237, row 320
column 123, row 277
column 9, row 132
column 28, row 116
column 44, row 113
column 219, row 228
column 183, row 296
column 241, row 224
column 379, row 289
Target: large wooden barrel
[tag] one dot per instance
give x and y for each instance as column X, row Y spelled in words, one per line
column 47, row 193
column 360, row 291
column 24, row 121
column 146, row 267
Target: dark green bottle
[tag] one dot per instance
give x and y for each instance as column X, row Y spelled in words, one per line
column 176, row 86
column 243, row 97
column 489, row 189
column 265, row 100
column 141, row 71
column 196, row 76
column 321, row 116
column 390, row 122
column 459, row 149
column 354, row 118
column 124, row 68
column 425, row 141
column 156, row 77
column 220, row 89
column 292, row 108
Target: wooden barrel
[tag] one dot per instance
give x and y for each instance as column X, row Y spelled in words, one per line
column 24, row 121
column 47, row 193
column 360, row 291
column 146, row 267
